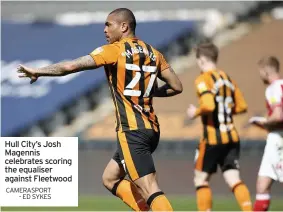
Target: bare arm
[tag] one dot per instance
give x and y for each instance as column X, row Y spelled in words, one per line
column 67, row 67
column 173, row 85
column 58, row 69
column 275, row 120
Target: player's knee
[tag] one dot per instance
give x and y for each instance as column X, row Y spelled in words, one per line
column 148, row 189
column 147, row 185
column 108, row 181
column 200, row 180
column 232, row 177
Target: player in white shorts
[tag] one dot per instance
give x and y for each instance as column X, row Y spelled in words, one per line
column 271, row 168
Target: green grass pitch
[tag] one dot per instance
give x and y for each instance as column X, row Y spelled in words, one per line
column 110, row 203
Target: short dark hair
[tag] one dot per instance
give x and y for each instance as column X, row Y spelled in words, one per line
column 207, row 49
column 127, row 15
column 270, row 61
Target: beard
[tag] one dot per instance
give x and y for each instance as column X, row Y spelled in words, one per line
column 113, row 39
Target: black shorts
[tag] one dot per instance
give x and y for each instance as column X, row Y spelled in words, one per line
column 208, row 157
column 135, row 150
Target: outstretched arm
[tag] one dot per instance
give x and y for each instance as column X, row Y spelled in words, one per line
column 58, row 69
column 68, row 67
column 104, row 55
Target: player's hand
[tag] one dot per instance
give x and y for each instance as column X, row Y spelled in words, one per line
column 27, row 72
column 191, row 111
column 258, row 121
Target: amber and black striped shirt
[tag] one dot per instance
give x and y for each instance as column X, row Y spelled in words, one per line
column 218, row 126
column 132, row 67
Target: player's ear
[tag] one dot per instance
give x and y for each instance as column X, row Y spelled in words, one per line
column 124, row 27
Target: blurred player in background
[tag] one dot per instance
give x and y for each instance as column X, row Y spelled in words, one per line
column 271, row 167
column 219, row 100
column 131, row 67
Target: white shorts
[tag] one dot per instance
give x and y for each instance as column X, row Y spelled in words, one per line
column 272, row 160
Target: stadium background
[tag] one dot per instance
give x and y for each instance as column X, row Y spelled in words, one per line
column 40, row 33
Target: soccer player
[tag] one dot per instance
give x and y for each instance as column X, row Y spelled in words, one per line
column 219, row 100
column 271, row 168
column 131, row 67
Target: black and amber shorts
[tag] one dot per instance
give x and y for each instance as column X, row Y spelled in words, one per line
column 209, row 157
column 135, row 150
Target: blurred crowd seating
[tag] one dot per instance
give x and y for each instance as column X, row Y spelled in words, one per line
column 174, row 127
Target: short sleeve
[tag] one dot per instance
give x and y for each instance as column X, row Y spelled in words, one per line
column 106, row 55
column 274, row 95
column 202, row 85
column 239, row 100
column 163, row 63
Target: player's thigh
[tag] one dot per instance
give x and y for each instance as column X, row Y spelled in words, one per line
column 229, row 163
column 230, row 157
column 113, row 171
column 270, row 156
column 263, row 184
column 206, row 160
column 136, row 152
column 276, row 153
